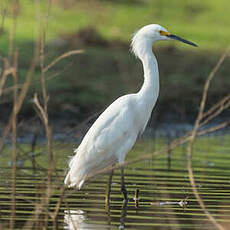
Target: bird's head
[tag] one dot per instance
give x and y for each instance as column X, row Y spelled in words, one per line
column 151, row 33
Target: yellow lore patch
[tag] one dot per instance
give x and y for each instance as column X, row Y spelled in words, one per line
column 164, row 33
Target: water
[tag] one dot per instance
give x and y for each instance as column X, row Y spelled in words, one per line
column 166, row 200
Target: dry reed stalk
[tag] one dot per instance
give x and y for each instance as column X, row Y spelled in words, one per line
column 21, row 95
column 39, row 210
column 192, row 139
column 20, row 98
column 212, row 113
column 10, row 89
column 45, row 203
column 220, row 103
column 18, row 101
column 54, row 215
column 14, row 141
column 7, row 71
column 43, row 116
column 43, row 113
column 26, row 84
column 214, row 128
column 65, row 55
column 220, row 106
column 14, row 55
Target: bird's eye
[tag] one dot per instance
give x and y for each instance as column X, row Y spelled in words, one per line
column 163, row 33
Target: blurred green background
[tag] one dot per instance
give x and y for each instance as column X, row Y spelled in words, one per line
column 86, row 83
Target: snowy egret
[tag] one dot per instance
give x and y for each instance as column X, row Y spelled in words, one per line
column 115, row 131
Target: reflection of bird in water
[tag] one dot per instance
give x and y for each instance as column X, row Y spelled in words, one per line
column 115, row 131
column 76, row 220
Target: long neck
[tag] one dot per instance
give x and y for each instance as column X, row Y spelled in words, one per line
column 150, row 88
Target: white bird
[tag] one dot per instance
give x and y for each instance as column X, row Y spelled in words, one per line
column 115, row 131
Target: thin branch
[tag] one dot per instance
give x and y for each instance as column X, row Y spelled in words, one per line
column 67, row 54
column 192, row 138
column 14, row 141
column 215, row 107
column 7, row 71
column 35, row 81
column 41, row 110
column 219, row 107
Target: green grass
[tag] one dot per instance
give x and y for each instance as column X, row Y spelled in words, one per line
column 204, row 22
column 94, row 79
column 207, row 149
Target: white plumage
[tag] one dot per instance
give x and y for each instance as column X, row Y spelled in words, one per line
column 115, row 131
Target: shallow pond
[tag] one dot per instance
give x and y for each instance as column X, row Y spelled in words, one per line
column 166, row 200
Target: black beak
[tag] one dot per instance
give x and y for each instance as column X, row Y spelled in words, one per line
column 174, row 37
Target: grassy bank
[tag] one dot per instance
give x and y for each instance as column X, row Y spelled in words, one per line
column 85, row 83
column 204, row 22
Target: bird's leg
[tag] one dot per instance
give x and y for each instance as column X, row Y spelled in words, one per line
column 108, row 191
column 123, row 214
column 123, row 188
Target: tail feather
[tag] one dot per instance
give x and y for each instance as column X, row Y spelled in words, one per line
column 75, row 176
column 67, row 180
column 73, row 181
column 70, row 183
